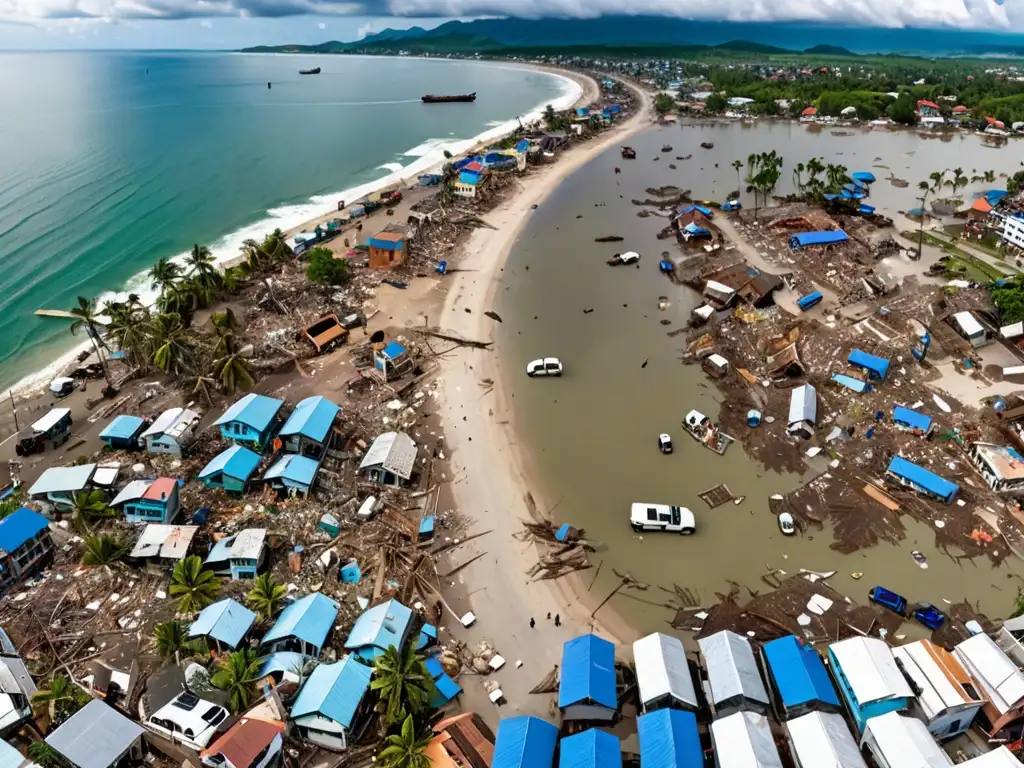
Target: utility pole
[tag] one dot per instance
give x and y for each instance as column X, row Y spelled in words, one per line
column 14, row 410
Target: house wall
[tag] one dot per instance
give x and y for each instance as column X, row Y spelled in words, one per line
column 323, row 732
column 243, row 433
column 861, row 713
column 949, row 723
column 589, row 712
column 243, row 568
column 383, row 477
column 163, row 444
column 1013, row 231
column 232, row 484
column 150, row 511
column 997, row 484
column 382, row 258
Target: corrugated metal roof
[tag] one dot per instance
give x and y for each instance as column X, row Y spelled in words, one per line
column 799, row 673
column 381, row 626
column 925, row 478
column 588, row 672
column 590, row 749
column 20, row 526
column 744, row 740
column 869, row 666
column 731, row 668
column 226, row 621
column 904, row 741
column 95, row 736
column 334, row 691
column 850, row 382
column 173, row 422
column 662, row 669
column 969, row 324
column 130, row 492
column 243, row 742
column 122, row 428
column 828, row 237
column 308, row 619
column 911, row 418
column 249, row 543
column 63, row 480
column 937, row 691
column 997, row 758
column 300, row 470
column 165, row 541
column 822, row 739
column 394, row 452
column 861, row 359
column 12, row 758
column 524, row 742
column 256, row 411
column 235, row 462
column 1001, row 680
column 160, row 489
column 312, row 418
column 393, row 350
column 803, row 405
column 669, row 739
column 286, row 662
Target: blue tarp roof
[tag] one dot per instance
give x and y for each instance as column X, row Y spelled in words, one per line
column 865, row 176
column 700, row 208
column 334, row 691
column 20, row 526
column 299, row 470
column 393, row 351
column 827, row 237
column 693, row 229
column 447, row 689
column 590, row 749
column 799, row 674
column 308, row 619
column 122, row 428
column 588, row 672
column 256, row 411
column 911, row 418
column 236, row 462
column 877, row 365
column 283, row 661
column 847, row 194
column 470, row 177
column 524, row 742
column 563, row 532
column 311, row 418
column 379, row 627
column 226, row 621
column 924, row 478
column 669, row 739
column 993, row 196
column 850, row 382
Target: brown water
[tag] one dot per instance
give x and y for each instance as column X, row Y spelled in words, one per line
column 590, row 438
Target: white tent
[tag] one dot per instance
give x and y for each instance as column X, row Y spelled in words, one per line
column 732, row 670
column 662, row 670
column 896, row 741
column 744, row 740
column 822, row 740
column 997, row 758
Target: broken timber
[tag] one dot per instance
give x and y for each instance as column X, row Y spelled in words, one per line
column 447, row 336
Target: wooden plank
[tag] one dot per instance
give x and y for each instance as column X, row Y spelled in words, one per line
column 56, row 313
column 751, row 378
column 881, row 497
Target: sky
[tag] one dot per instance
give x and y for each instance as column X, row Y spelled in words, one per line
column 227, row 24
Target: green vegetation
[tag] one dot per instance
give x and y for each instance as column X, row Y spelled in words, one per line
column 236, row 675
column 62, row 698
column 266, row 596
column 324, row 269
column 407, row 748
column 959, row 262
column 87, row 319
column 90, row 507
column 102, row 550
column 663, row 103
column 171, row 639
column 194, row 587
column 1009, row 299
column 45, row 756
column 403, row 683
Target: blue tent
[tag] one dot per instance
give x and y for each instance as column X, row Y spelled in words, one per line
column 799, row 676
column 669, row 739
column 877, row 367
column 863, row 176
column 827, row 237
column 993, row 196
column 922, row 480
column 694, row 231
column 911, row 419
column 524, row 742
column 699, row 208
column 588, row 672
column 858, row 386
column 590, row 749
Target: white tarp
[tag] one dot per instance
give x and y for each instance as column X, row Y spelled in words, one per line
column 662, row 669
column 969, row 324
column 1001, row 680
column 1013, row 330
column 997, row 758
column 744, row 740
column 937, row 691
column 803, row 405
column 731, row 668
column 896, row 741
column 822, row 740
column 871, row 669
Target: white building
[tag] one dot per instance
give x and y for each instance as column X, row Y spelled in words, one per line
column 172, row 432
column 822, row 739
column 1013, row 231
column 967, row 325
column 1001, row 467
column 896, row 741
column 947, row 701
column 997, row 678
column 663, row 673
column 803, row 411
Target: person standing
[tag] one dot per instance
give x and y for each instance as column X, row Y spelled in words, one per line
column 532, row 623
column 558, row 620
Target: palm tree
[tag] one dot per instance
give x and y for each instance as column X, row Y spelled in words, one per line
column 814, row 169
column 230, row 369
column 171, row 638
column 256, row 258
column 170, row 347
column 404, row 684
column 276, row 245
column 127, row 329
column 266, row 596
column 798, row 177
column 164, row 274
column 62, row 698
column 194, row 587
column 406, row 749
column 87, row 317
column 236, row 675
column 90, row 507
column 925, row 189
column 738, row 165
column 938, row 179
column 837, row 177
column 102, row 550
column 202, row 268
column 45, row 756
column 768, row 178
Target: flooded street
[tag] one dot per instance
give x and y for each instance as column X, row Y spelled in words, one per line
column 589, row 439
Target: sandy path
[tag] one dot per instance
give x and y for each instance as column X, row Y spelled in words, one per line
column 490, row 483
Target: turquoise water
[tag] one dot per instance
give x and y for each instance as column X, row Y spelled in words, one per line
column 110, row 161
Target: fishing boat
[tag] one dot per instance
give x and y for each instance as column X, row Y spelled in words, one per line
column 464, row 97
column 314, row 71
column 706, row 432
column 628, row 153
column 666, row 147
column 707, row 145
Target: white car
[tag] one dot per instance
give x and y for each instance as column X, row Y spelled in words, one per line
column 662, row 517
column 188, row 720
column 629, row 257
column 786, row 524
column 548, row 366
column 665, row 443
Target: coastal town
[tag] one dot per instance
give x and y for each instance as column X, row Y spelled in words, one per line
column 251, row 526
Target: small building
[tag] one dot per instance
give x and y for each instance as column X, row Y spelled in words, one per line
column 733, row 681
column 115, row 671
column 591, row 748
column 58, row 485
column 946, row 700
column 173, row 431
column 251, row 420
column 967, row 325
column 472, row 178
column 1002, row 467
column 524, row 742
column 252, row 742
column 226, row 623
column 1013, row 230
column 390, row 460
column 798, row 677
column 822, row 739
column 16, row 688
column 25, row 546
column 230, row 469
column 909, row 419
column 803, row 411
column 461, row 740
column 663, row 673
column 311, row 429
column 744, row 740
column 586, row 690
column 333, row 707
column 239, row 556
column 303, row 626
column 812, row 239
column 124, row 432
column 669, row 739
column 998, row 680
column 163, row 545
column 874, row 367
column 378, row 628
column 921, row 480
column 391, row 361
column 387, row 249
column 149, row 501
column 895, row 741
column 98, row 736
column 868, row 678
column 293, row 475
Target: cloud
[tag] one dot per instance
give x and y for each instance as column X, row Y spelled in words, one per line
column 979, row 14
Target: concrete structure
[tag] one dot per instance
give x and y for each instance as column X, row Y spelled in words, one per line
column 868, row 678
column 149, row 501
column 173, row 432
column 1001, row 467
column 946, row 701
column 1013, row 231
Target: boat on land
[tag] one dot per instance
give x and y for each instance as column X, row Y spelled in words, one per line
column 706, row 432
column 628, row 153
column 463, row 97
column 314, row 71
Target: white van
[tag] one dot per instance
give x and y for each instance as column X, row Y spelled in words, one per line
column 662, row 517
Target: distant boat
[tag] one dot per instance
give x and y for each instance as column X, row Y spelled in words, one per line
column 310, row 71
column 430, row 99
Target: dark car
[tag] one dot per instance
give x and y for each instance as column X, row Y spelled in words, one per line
column 930, row 616
column 888, row 599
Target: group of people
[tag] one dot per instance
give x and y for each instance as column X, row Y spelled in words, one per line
column 558, row 620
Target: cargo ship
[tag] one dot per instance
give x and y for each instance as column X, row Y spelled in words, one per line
column 310, row 71
column 430, row 99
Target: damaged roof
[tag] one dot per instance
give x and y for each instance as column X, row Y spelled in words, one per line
column 394, row 452
column 170, row 542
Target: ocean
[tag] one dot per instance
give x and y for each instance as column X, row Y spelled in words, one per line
column 112, row 161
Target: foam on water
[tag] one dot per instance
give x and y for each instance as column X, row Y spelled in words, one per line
column 390, row 167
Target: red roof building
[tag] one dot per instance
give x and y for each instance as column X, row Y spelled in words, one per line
column 929, row 104
column 809, row 112
column 959, row 109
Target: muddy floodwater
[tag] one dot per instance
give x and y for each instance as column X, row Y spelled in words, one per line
column 590, row 438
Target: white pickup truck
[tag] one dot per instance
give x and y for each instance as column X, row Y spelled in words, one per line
column 662, row 517
column 548, row 366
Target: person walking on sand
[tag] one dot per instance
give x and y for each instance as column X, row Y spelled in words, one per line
column 532, row 623
column 558, row 620
column 549, row 615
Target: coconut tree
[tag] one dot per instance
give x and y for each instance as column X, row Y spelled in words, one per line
column 814, row 169
column 87, row 318
column 230, row 369
column 62, row 698
column 236, row 674
column 407, row 748
column 768, row 177
column 202, row 268
column 938, row 180
column 798, row 177
column 164, row 274
column 102, row 550
column 926, row 189
column 257, row 260
column 738, row 166
column 752, row 170
column 276, row 246
column 266, row 596
column 127, row 330
column 90, row 507
column 405, row 687
column 194, row 587
column 45, row 756
column 171, row 640
column 836, row 176
column 169, row 346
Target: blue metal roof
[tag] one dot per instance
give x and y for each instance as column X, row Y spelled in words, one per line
column 668, row 739
column 300, row 470
column 470, row 177
column 256, row 411
column 446, row 690
column 427, row 525
column 700, row 208
column 380, row 627
column 865, row 176
column 10, row 757
column 588, row 672
column 20, row 526
column 311, row 418
column 590, row 749
column 308, row 619
column 827, row 237
column 334, row 691
column 524, row 742
column 799, row 673
column 393, row 351
column 122, row 428
column 911, row 418
column 284, row 662
column 851, row 382
column 877, row 365
column 919, row 476
column 226, row 621
column 236, row 462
